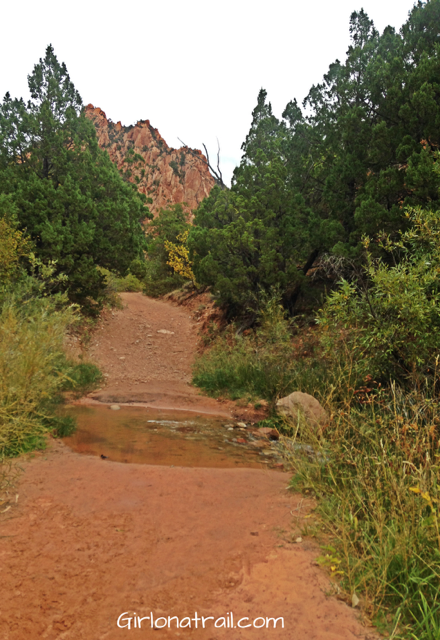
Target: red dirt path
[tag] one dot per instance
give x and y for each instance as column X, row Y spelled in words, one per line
column 90, row 539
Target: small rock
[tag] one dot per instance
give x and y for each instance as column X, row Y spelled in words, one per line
column 254, row 533
column 354, row 600
column 298, row 405
column 241, row 441
column 122, row 358
column 298, row 540
column 165, row 331
column 259, row 444
column 272, row 434
column 115, row 407
column 264, row 431
column 241, row 424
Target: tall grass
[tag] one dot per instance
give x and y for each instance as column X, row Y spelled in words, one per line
column 378, row 499
column 33, row 369
column 262, row 364
column 375, row 470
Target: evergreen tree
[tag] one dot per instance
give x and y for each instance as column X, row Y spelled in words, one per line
column 67, row 193
column 314, row 185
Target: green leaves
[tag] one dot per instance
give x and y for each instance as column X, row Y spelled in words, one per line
column 391, row 320
column 68, row 194
column 314, row 185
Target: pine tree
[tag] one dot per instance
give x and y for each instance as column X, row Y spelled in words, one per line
column 68, row 194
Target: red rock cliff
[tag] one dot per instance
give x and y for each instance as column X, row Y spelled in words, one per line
column 166, row 175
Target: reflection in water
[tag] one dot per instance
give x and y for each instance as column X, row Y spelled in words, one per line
column 148, row 436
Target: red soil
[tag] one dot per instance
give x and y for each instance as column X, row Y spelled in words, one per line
column 90, row 539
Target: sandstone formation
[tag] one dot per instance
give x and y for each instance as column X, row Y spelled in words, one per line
column 298, row 405
column 165, row 175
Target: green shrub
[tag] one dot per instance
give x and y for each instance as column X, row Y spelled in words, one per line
column 82, row 378
column 158, row 277
column 262, row 364
column 391, row 321
column 118, row 284
column 33, row 370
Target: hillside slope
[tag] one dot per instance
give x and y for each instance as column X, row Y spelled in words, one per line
column 165, row 175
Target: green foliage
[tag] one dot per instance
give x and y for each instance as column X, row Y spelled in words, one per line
column 313, row 185
column 260, row 234
column 82, row 378
column 374, row 473
column 14, row 245
column 158, row 277
column 117, row 284
column 33, row 369
column 391, row 322
column 66, row 192
column 175, row 167
column 261, row 364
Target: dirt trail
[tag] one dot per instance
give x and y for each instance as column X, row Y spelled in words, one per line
column 146, row 352
column 90, row 539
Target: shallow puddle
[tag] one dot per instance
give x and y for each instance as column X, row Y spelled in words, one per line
column 173, row 438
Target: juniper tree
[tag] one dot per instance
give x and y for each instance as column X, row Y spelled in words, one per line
column 67, row 193
column 313, row 185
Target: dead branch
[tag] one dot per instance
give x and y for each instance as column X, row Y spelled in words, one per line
column 217, row 174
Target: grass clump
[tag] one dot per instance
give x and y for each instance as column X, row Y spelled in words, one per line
column 262, row 364
column 375, row 473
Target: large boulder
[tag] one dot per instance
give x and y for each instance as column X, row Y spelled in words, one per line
column 303, row 405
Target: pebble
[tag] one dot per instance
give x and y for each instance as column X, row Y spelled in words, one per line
column 115, row 407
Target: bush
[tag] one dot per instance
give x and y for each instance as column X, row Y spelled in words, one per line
column 262, row 364
column 118, row 284
column 159, row 277
column 82, row 378
column 391, row 321
column 13, row 243
column 33, row 370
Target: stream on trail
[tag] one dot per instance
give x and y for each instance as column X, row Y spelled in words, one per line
column 173, row 438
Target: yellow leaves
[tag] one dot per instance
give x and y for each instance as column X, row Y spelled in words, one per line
column 12, row 246
column 331, row 561
column 423, row 494
column 178, row 257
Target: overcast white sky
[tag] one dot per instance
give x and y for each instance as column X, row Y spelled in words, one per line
column 193, row 68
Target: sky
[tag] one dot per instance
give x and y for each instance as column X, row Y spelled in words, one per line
column 193, row 68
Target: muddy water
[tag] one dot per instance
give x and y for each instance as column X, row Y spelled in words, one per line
column 147, row 436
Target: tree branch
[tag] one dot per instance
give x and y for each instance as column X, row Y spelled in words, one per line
column 218, row 177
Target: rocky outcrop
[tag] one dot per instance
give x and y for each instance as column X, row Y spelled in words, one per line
column 165, row 175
